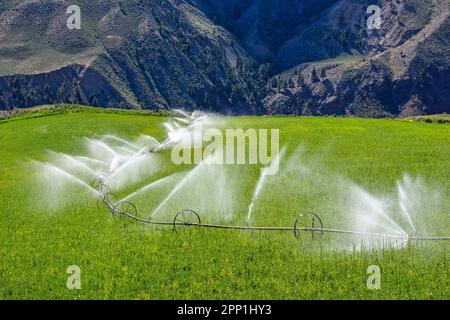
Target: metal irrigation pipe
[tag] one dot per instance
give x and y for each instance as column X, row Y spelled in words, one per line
column 175, row 223
column 413, row 238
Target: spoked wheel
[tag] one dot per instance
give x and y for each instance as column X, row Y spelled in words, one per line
column 105, row 195
column 103, row 189
column 125, row 208
column 186, row 218
column 100, row 202
column 308, row 222
column 99, row 180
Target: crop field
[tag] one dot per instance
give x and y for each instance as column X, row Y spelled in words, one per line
column 349, row 171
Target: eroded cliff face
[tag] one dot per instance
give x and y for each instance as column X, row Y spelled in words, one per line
column 232, row 56
column 407, row 74
column 71, row 84
column 139, row 54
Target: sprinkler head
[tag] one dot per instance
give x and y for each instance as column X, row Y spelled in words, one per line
column 406, row 239
column 155, row 150
column 308, row 221
column 99, row 180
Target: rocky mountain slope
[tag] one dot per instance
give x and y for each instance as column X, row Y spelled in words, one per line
column 149, row 54
column 313, row 57
column 404, row 70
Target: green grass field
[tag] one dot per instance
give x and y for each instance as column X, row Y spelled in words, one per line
column 122, row 260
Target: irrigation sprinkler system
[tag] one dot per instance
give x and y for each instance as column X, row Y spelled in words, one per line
column 305, row 222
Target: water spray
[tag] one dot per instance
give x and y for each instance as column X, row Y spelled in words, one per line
column 305, row 223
